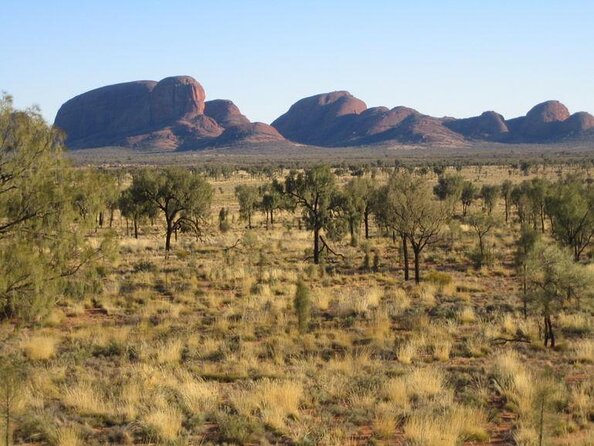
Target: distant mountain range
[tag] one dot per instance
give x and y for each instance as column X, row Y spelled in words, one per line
column 172, row 114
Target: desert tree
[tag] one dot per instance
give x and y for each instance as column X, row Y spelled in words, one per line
column 272, row 201
column 363, row 192
column 554, row 281
column 42, row 237
column 314, row 191
column 506, row 192
column 570, row 207
column 468, row 195
column 181, row 196
column 134, row 206
column 489, row 194
column 449, row 188
column 524, row 244
column 248, row 197
column 482, row 224
column 536, row 191
column 414, row 214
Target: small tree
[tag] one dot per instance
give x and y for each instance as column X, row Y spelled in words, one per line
column 506, row 192
column 554, row 280
column 524, row 245
column 43, row 242
column 482, row 224
column 449, row 188
column 570, row 207
column 182, row 196
column 133, row 206
column 468, row 195
column 415, row 214
column 315, row 192
column 489, row 194
column 249, row 200
column 302, row 304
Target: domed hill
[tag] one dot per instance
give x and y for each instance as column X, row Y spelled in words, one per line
column 320, row 119
column 547, row 122
column 489, row 125
column 340, row 119
column 170, row 114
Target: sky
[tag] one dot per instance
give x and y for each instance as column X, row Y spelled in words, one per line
column 443, row 58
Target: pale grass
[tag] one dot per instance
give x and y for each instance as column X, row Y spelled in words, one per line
column 582, row 400
column 273, row 400
column 384, row 422
column 407, row 352
column 425, row 293
column 425, row 383
column 584, row 350
column 169, row 352
column 67, row 436
column 395, row 391
column 399, row 300
column 442, row 350
column 448, row 428
column 516, row 382
column 466, row 315
column 86, row 399
column 40, row 348
column 576, row 322
column 165, row 422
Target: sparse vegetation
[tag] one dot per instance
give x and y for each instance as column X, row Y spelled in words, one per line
column 246, row 336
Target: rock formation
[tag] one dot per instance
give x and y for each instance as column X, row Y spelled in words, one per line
column 173, row 114
column 340, row 119
column 170, row 114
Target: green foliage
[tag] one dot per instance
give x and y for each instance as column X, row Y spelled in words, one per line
column 42, row 228
column 449, row 187
column 554, row 280
column 302, row 304
column 468, row 195
column 248, row 198
column 410, row 210
column 570, row 208
column 316, row 192
column 490, row 194
column 482, row 224
column 181, row 196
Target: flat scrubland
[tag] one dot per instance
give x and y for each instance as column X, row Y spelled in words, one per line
column 203, row 346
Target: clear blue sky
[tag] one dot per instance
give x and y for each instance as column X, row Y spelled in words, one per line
column 454, row 58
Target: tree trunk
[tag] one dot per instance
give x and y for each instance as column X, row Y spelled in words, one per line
column 101, row 219
column 250, row 220
column 110, row 218
column 316, row 253
column 506, row 210
column 551, row 333
column 271, row 217
column 405, row 255
column 417, row 254
column 366, row 222
column 168, row 236
column 135, row 228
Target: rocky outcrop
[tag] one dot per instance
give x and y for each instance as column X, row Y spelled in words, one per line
column 173, row 114
column 225, row 112
column 489, row 125
column 168, row 115
column 340, row 119
column 322, row 119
